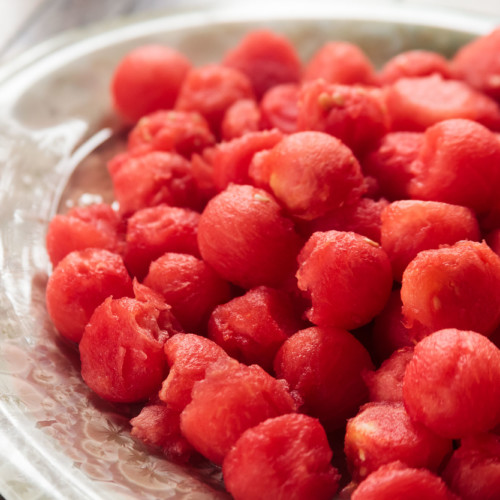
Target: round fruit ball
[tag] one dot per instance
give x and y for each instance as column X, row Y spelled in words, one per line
column 231, row 399
column 92, row 226
column 312, row 173
column 245, row 237
column 121, row 349
column 252, row 327
column 80, row 283
column 473, row 470
column 325, row 365
column 211, row 90
column 458, row 164
column 396, row 480
column 383, row 432
column 355, row 115
column 153, row 231
column 148, row 79
column 267, row 58
column 188, row 357
column 347, row 277
column 478, row 64
column 286, row 457
column 190, row 286
column 411, row 226
column 452, row 383
column 453, row 287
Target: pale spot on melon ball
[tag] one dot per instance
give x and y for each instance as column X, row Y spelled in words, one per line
column 436, row 303
column 494, row 81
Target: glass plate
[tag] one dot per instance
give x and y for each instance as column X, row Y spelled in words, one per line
column 57, row 439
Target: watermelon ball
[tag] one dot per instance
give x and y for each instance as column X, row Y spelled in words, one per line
column 188, row 356
column 80, row 282
column 190, row 286
column 386, row 383
column 473, row 470
column 477, row 63
column 279, row 108
column 244, row 235
column 266, row 58
column 240, row 118
column 93, row 226
column 389, row 162
column 153, row 178
column 415, row 104
column 396, row 480
column 230, row 399
column 410, row 226
column 117, row 161
column 452, row 383
column 252, row 327
column 356, row 115
column 346, row 276
column 458, row 163
column 312, row 173
column 453, row 287
column 211, row 90
column 158, row 425
column 148, row 79
column 325, row 365
column 286, row 457
column 121, row 350
column 231, row 160
column 414, row 63
column 384, row 432
column 178, row 132
column 340, row 62
column 153, row 231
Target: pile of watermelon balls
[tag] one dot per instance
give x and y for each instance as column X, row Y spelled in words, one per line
column 302, row 281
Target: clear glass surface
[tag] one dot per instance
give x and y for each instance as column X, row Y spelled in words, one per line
column 57, row 128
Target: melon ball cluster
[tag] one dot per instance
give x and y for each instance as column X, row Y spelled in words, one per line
column 301, row 282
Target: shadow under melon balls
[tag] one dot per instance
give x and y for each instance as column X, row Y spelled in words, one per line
column 452, row 383
column 245, row 237
column 346, row 276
